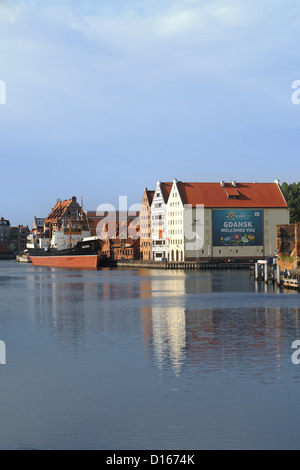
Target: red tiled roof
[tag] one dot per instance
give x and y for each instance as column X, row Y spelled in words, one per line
column 243, row 195
column 58, row 210
column 166, row 189
column 150, row 195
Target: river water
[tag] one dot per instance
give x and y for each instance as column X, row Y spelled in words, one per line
column 146, row 359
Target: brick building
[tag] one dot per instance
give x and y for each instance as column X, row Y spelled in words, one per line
column 4, row 236
column 145, row 225
column 119, row 231
column 18, row 237
column 62, row 212
column 288, row 245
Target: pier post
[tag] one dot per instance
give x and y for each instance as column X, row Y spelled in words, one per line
column 278, row 277
column 256, row 272
column 266, row 273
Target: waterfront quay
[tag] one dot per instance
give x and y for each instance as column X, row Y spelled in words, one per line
column 185, row 265
column 147, row 359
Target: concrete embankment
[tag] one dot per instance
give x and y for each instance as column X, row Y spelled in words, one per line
column 133, row 264
column 7, row 256
column 186, row 265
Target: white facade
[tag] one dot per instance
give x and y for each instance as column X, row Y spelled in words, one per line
column 158, row 224
column 185, row 227
column 60, row 240
column 175, row 225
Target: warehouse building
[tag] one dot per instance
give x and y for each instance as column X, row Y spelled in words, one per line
column 223, row 220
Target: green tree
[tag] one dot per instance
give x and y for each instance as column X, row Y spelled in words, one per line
column 291, row 193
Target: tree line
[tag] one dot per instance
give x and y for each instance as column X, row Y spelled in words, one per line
column 291, row 193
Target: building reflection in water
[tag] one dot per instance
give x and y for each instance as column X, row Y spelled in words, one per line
column 218, row 331
column 187, row 320
column 59, row 304
column 164, row 327
column 77, row 306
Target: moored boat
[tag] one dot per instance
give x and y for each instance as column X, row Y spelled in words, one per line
column 23, row 257
column 69, row 247
column 85, row 254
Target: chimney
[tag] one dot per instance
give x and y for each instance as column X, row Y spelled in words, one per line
column 222, row 183
column 234, row 184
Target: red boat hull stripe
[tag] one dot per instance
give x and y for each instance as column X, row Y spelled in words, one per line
column 78, row 261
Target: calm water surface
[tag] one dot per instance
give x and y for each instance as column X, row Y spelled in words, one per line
column 146, row 359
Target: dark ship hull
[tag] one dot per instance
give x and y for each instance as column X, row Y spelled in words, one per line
column 84, row 255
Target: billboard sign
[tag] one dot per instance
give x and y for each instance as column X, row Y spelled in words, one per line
column 237, row 227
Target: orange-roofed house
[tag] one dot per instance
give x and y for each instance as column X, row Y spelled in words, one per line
column 62, row 212
column 223, row 220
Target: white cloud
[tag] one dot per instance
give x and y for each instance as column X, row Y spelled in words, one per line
column 203, row 17
column 9, row 11
column 182, row 21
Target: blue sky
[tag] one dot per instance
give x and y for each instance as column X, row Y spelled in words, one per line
column 105, row 97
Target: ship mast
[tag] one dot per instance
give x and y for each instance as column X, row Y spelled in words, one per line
column 70, row 233
column 49, row 234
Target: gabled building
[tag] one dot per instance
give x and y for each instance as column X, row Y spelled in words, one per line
column 119, row 231
column 38, row 226
column 145, row 226
column 158, row 220
column 18, row 237
column 223, row 220
column 4, row 237
column 175, row 241
column 125, row 248
column 62, row 212
column 4, row 230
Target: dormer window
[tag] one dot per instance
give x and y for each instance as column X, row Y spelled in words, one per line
column 232, row 193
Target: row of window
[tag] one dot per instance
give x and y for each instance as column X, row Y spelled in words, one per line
column 175, row 222
column 175, row 242
column 174, row 214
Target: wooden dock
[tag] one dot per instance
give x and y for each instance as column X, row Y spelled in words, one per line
column 291, row 283
column 269, row 271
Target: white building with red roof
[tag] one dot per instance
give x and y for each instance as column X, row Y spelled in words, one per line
column 158, row 220
column 223, row 220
